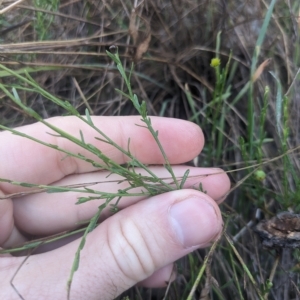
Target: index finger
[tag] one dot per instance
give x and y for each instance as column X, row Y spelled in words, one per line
column 24, row 160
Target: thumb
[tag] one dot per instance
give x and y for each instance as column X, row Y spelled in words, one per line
column 127, row 248
column 144, row 238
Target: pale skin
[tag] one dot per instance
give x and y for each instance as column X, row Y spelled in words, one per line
column 139, row 244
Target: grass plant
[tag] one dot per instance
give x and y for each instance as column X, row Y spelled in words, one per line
column 43, row 20
column 149, row 185
column 232, row 68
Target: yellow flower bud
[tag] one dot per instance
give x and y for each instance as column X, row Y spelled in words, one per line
column 215, row 62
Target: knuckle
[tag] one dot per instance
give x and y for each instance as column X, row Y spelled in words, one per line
column 131, row 250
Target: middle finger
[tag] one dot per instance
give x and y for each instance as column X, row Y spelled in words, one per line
column 51, row 213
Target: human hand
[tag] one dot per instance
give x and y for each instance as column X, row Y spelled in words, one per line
column 138, row 244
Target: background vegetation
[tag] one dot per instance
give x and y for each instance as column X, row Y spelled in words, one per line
column 248, row 107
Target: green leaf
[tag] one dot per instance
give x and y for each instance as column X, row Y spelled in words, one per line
column 69, row 107
column 76, row 263
column 122, row 71
column 93, row 148
column 278, row 105
column 17, row 98
column 27, row 184
column 113, row 57
column 135, row 102
column 143, row 109
column 56, row 190
column 261, row 37
column 184, row 178
column 88, row 117
column 81, row 136
column 123, row 94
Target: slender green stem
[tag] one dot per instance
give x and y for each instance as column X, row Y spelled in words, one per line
column 141, row 108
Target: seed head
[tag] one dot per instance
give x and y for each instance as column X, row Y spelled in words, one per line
column 260, row 175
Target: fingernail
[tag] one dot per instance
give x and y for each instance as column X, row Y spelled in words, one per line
column 195, row 221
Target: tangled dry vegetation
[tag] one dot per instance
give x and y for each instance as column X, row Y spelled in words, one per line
column 62, row 45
